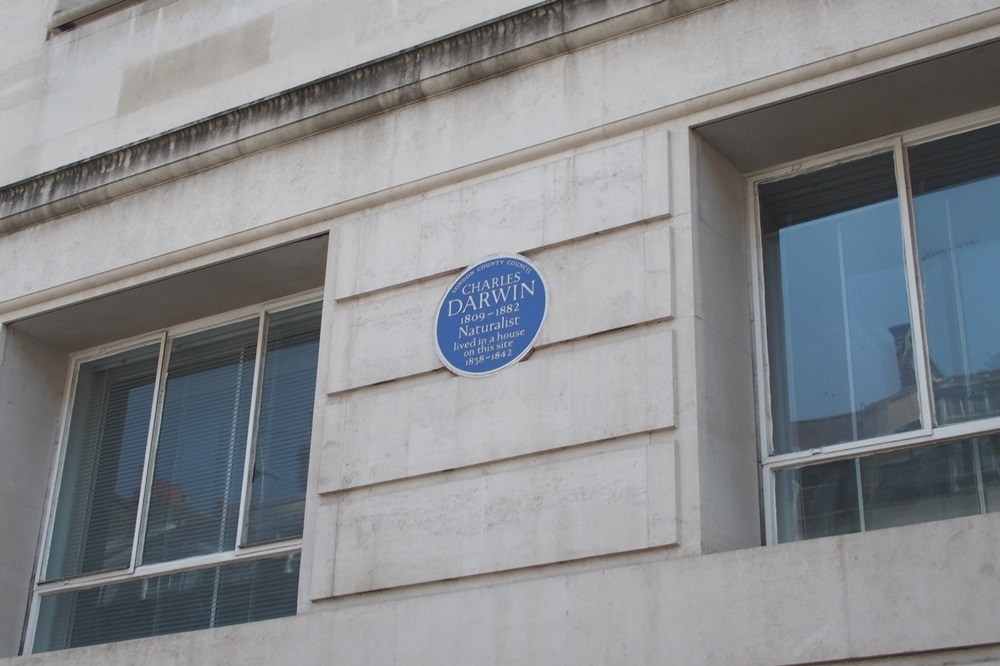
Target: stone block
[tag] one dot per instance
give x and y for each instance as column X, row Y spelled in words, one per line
column 323, row 549
column 585, row 391
column 607, row 282
column 596, row 284
column 387, row 336
column 21, row 115
column 522, row 623
column 722, row 289
column 79, row 105
column 214, row 59
column 587, row 191
column 365, row 438
column 565, row 508
column 920, row 587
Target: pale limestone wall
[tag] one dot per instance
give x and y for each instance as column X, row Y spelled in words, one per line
column 566, row 455
column 727, row 452
column 32, row 377
column 164, row 63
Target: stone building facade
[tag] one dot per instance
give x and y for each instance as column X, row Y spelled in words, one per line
column 684, row 469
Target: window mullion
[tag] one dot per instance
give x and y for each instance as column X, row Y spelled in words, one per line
column 765, row 448
column 764, row 426
column 911, row 266
column 251, row 447
column 145, row 488
column 977, row 465
column 848, row 342
column 232, row 452
column 860, row 494
column 55, row 483
column 768, row 490
column 175, row 566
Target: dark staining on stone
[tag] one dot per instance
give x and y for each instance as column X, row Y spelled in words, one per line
column 475, row 54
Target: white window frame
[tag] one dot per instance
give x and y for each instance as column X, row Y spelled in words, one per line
column 929, row 432
column 136, row 571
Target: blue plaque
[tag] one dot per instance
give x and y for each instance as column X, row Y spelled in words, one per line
column 491, row 315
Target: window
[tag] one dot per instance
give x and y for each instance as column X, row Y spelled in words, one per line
column 881, row 314
column 179, row 504
column 71, row 13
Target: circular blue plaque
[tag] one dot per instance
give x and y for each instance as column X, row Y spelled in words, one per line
column 491, row 315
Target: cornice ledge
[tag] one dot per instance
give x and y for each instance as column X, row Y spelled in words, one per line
column 511, row 42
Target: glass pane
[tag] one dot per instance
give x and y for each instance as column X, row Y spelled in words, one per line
column 838, row 319
column 919, row 485
column 98, row 497
column 281, row 460
column 198, row 473
column 989, row 462
column 184, row 601
column 915, row 485
column 816, row 501
column 956, row 185
column 258, row 590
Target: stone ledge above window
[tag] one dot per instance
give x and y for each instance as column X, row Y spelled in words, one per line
column 451, row 62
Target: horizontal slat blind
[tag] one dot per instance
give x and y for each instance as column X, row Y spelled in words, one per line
column 826, row 192
column 182, row 601
column 193, row 504
column 959, row 159
column 277, row 491
column 198, row 471
column 99, row 492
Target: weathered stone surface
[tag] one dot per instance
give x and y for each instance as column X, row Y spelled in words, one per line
column 598, row 284
column 587, row 191
column 329, row 101
column 32, row 380
column 585, row 391
column 549, row 511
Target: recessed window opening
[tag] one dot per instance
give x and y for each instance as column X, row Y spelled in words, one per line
column 882, row 353
column 180, row 497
